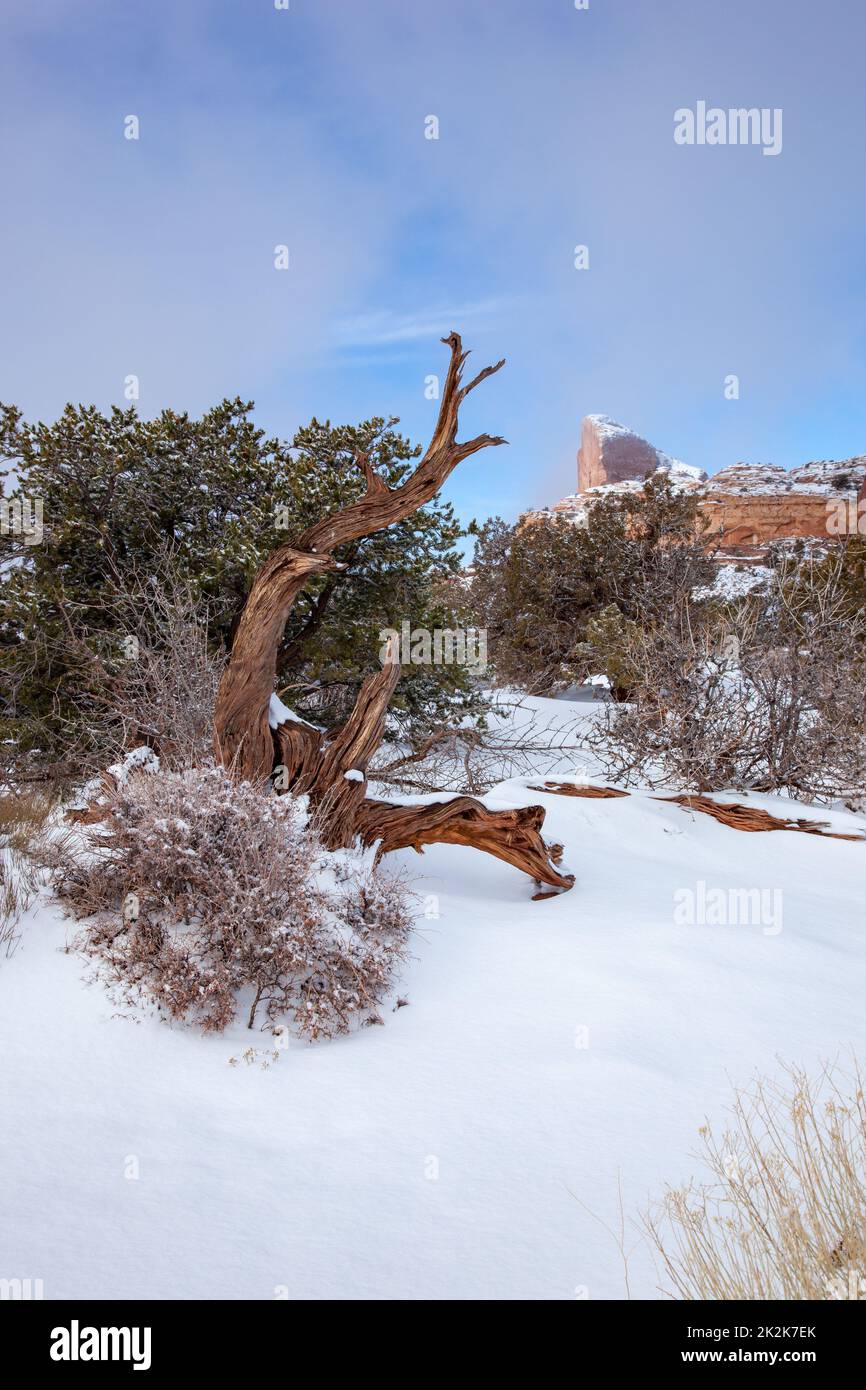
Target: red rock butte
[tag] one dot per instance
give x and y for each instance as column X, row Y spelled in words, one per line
column 748, row 505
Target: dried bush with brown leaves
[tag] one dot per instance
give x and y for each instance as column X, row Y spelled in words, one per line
column 766, row 694
column 784, row 1212
column 148, row 673
column 165, row 691
column 205, row 896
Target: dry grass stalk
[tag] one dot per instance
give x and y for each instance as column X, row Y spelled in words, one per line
column 783, row 1215
column 25, row 848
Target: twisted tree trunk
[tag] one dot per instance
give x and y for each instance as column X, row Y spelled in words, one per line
column 256, row 742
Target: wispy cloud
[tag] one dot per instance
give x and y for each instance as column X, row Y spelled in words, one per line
column 385, row 326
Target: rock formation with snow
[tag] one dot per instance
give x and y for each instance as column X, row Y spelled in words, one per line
column 748, row 505
column 611, row 453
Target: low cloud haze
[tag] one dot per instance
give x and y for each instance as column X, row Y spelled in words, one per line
column 306, row 127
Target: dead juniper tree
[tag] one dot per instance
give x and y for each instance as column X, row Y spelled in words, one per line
column 255, row 740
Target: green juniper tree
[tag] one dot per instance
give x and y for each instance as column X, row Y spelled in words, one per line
column 557, row 598
column 215, row 495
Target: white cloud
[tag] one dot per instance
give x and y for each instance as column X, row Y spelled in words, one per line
column 385, row 326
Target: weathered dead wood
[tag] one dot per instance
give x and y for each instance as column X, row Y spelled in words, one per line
column 241, row 733
column 753, row 818
column 572, row 789
column 735, row 814
column 514, row 835
column 331, row 770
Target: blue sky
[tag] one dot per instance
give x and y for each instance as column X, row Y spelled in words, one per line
column 305, row 127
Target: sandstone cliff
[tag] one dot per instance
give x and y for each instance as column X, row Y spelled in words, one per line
column 611, row 453
column 747, row 505
column 752, row 504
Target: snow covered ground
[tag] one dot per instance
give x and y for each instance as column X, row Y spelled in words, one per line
column 470, row 1148
column 733, row 581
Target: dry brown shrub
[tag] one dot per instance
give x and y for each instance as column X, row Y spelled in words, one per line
column 205, row 896
column 766, row 694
